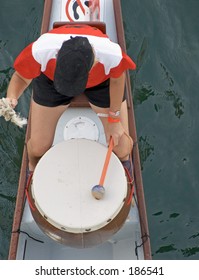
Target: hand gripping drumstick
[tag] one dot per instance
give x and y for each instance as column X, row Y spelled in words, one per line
column 98, row 190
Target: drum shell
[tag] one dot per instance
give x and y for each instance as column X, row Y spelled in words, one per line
column 84, row 239
column 60, row 193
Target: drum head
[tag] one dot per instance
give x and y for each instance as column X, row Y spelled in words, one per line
column 62, row 183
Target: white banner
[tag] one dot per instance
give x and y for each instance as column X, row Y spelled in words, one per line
column 36, row 270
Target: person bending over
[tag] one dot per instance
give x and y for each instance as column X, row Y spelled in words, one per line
column 63, row 63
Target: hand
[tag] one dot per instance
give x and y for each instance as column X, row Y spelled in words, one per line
column 13, row 102
column 115, row 130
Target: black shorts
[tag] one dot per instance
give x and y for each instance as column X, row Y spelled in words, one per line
column 45, row 94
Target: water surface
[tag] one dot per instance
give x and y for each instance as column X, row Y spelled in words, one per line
column 163, row 38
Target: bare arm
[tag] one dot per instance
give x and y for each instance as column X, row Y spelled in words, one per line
column 116, row 92
column 116, row 130
column 16, row 87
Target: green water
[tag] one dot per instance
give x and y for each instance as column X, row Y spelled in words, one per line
column 162, row 36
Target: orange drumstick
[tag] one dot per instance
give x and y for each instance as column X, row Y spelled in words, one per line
column 106, row 163
column 98, row 190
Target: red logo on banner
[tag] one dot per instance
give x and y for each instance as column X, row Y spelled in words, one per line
column 76, row 8
column 72, row 9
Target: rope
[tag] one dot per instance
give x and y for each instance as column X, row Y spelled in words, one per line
column 131, row 182
column 9, row 113
column 31, row 237
column 144, row 238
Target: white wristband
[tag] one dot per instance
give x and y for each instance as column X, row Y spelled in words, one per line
column 102, row 115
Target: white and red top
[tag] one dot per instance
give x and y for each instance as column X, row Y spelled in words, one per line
column 40, row 56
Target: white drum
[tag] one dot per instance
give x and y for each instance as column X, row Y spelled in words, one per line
column 61, row 192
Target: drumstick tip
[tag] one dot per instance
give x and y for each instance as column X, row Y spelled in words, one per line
column 98, row 192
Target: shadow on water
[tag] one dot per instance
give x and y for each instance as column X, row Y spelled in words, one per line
column 169, row 250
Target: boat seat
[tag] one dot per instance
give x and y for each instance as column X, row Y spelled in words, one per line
column 81, row 100
column 97, row 24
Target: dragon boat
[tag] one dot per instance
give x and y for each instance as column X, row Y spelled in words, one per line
column 56, row 217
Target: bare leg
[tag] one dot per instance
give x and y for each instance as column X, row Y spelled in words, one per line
column 123, row 149
column 43, row 125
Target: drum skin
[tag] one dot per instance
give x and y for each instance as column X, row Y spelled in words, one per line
column 61, row 199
